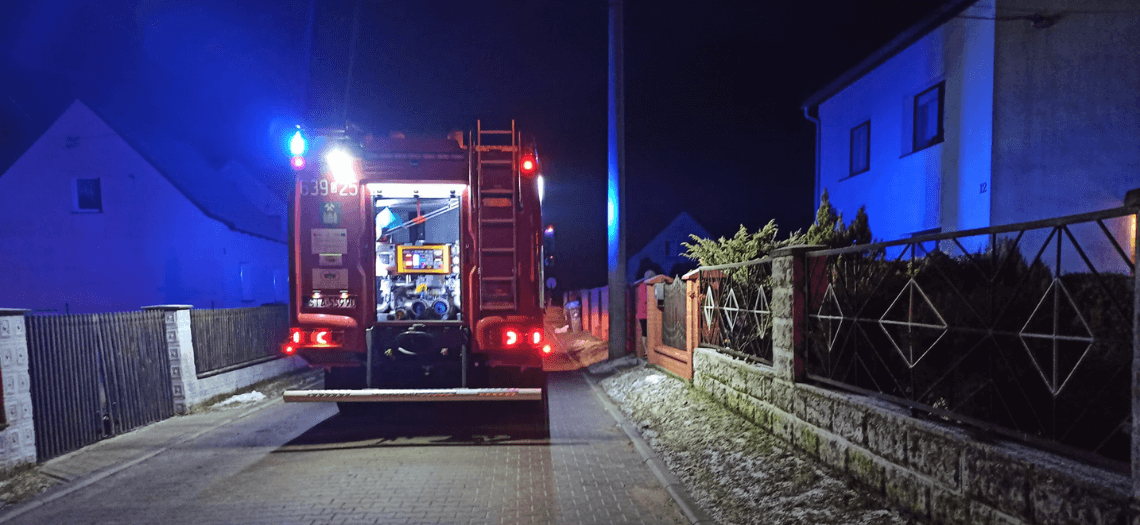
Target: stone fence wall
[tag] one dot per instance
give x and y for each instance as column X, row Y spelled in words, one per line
column 18, row 437
column 937, row 471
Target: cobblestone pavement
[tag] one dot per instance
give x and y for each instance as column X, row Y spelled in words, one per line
column 305, row 463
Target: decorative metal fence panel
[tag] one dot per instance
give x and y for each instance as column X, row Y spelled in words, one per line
column 229, row 338
column 673, row 331
column 735, row 312
column 1024, row 330
column 96, row 375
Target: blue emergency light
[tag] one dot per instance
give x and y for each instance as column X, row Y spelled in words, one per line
column 297, row 144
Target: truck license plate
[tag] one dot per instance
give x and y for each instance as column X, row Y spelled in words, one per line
column 332, row 302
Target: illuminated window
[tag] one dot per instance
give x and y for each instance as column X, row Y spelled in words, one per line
column 88, row 196
column 1132, row 237
column 861, row 148
column 928, row 117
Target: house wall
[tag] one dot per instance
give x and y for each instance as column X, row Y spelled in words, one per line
column 150, row 245
column 1066, row 125
column 938, row 187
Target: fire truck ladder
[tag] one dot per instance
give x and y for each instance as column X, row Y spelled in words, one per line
column 496, row 157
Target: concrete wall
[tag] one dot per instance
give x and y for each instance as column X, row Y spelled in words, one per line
column 150, row 245
column 906, row 191
column 934, row 471
column 18, row 437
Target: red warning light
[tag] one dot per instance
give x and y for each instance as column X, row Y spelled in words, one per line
column 546, row 349
column 298, row 162
column 528, row 165
column 536, row 337
column 289, row 349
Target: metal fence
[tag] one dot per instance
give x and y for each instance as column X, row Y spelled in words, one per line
column 734, row 309
column 94, row 376
column 1022, row 330
column 673, row 320
column 229, row 338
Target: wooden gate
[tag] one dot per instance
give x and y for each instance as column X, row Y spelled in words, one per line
column 96, row 375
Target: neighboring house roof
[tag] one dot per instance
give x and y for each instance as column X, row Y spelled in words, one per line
column 254, row 189
column 941, row 15
column 199, row 182
column 682, row 223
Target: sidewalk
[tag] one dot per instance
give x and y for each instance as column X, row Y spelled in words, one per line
column 62, row 475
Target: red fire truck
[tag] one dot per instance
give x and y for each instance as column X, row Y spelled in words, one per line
column 416, row 267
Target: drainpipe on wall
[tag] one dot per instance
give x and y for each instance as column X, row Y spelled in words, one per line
column 808, row 115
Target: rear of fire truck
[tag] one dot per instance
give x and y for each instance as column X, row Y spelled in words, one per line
column 416, row 268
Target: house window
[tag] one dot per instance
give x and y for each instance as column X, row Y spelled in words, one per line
column 928, row 117
column 88, row 196
column 861, row 148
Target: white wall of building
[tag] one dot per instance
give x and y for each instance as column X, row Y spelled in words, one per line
column 150, row 245
column 909, row 191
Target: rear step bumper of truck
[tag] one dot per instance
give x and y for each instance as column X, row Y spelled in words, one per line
column 374, row 395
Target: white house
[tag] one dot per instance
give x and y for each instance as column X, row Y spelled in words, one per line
column 664, row 251
column 93, row 219
column 987, row 112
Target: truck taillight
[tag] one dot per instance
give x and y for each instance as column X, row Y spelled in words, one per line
column 510, row 337
column 320, row 337
column 513, row 337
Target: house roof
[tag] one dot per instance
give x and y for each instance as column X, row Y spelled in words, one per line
column 195, row 178
column 948, row 10
column 684, row 222
column 204, row 186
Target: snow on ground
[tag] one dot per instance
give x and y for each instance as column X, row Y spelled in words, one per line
column 241, row 399
column 737, row 472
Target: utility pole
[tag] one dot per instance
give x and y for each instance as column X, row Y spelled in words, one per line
column 615, row 187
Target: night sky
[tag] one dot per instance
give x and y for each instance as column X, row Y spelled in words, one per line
column 713, row 89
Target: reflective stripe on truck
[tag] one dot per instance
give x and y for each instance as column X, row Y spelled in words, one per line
column 370, row 395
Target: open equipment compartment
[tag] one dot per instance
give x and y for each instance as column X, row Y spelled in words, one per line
column 417, row 252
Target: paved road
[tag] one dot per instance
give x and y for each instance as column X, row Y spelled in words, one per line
column 306, row 463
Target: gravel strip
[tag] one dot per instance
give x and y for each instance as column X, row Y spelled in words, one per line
column 737, row 472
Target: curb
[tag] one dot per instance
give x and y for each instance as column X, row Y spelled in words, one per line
column 673, row 486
